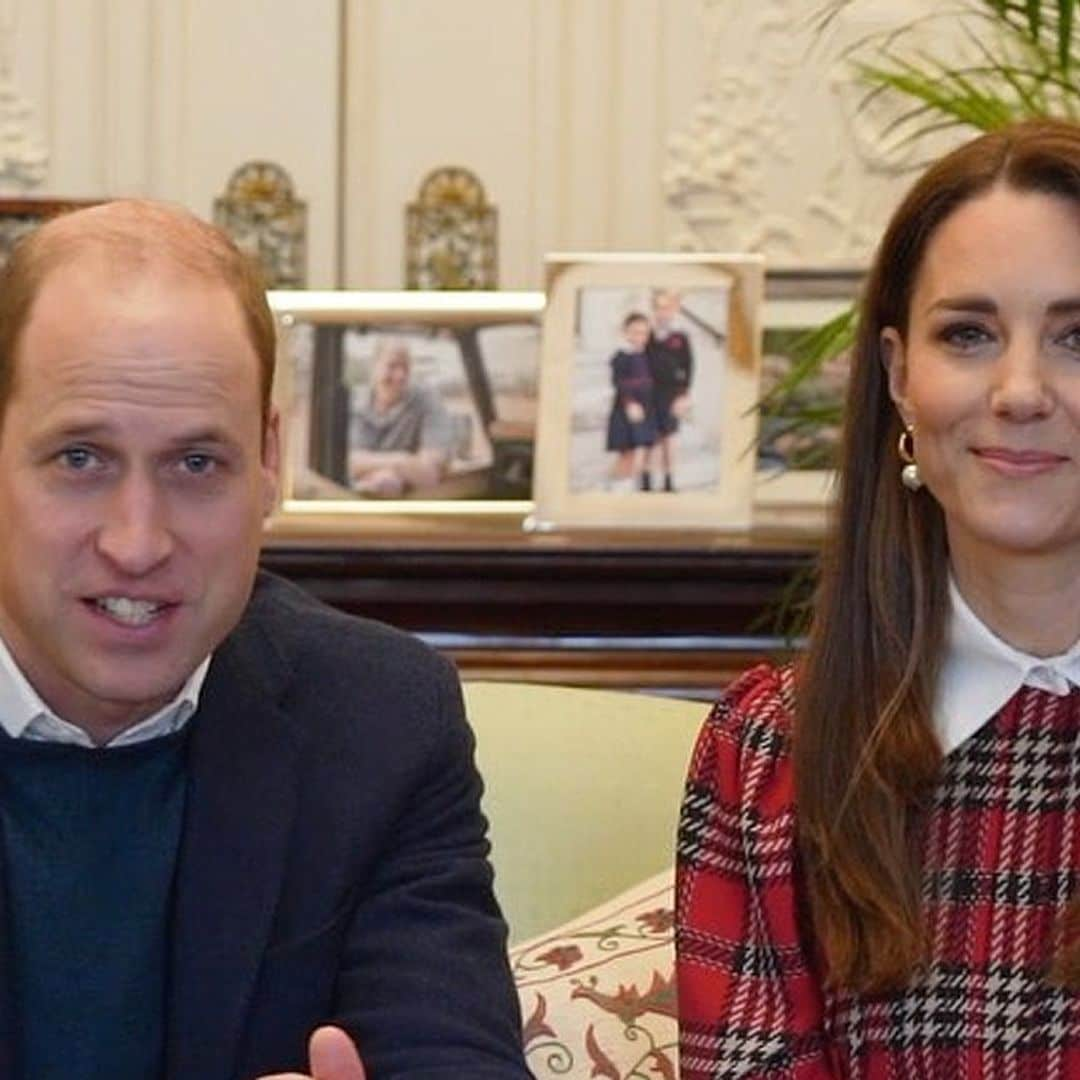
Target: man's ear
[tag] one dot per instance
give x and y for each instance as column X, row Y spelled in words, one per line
column 894, row 357
column 271, row 460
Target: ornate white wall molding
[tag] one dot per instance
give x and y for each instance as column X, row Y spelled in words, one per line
column 781, row 154
column 24, row 159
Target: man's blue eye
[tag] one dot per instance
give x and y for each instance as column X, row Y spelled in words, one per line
column 77, row 458
column 198, row 463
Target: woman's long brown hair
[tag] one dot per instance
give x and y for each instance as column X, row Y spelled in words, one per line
column 866, row 753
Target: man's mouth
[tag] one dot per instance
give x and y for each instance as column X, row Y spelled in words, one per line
column 129, row 611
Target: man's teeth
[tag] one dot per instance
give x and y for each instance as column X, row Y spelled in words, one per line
column 126, row 610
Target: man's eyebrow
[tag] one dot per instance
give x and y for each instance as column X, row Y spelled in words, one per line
column 103, row 429
column 78, row 429
column 50, row 434
column 204, row 436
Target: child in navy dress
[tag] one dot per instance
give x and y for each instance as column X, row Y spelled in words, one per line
column 632, row 426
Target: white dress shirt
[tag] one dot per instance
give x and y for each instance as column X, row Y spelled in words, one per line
column 23, row 715
column 981, row 672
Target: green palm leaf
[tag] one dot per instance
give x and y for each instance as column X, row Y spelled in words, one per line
column 1067, row 9
column 951, row 94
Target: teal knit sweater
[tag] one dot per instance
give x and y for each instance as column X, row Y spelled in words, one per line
column 90, row 840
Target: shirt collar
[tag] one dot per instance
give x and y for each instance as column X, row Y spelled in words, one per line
column 666, row 332
column 24, row 715
column 981, row 672
column 385, row 419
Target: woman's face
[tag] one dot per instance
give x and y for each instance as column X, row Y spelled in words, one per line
column 989, row 374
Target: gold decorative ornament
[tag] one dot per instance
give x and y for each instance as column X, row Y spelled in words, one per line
column 265, row 219
column 450, row 233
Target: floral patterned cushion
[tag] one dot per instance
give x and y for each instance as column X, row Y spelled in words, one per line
column 598, row 994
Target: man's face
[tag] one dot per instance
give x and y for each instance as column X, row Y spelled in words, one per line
column 392, row 378
column 134, row 477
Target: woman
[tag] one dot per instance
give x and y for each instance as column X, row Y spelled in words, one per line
column 879, row 850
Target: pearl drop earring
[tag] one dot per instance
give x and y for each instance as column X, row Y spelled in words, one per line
column 905, row 447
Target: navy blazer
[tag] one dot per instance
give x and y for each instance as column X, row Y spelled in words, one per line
column 333, row 861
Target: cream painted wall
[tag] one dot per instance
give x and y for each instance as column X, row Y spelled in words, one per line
column 594, row 124
column 619, row 125
column 167, row 97
column 562, row 108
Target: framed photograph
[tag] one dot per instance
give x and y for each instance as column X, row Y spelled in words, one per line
column 407, row 404
column 798, row 437
column 648, row 385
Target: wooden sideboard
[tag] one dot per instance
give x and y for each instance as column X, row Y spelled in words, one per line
column 680, row 616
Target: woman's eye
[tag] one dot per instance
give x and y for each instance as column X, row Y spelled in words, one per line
column 1070, row 339
column 964, row 335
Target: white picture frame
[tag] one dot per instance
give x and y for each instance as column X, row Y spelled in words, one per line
column 581, row 459
column 477, row 352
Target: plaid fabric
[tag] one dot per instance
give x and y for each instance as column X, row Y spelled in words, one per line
column 1001, row 858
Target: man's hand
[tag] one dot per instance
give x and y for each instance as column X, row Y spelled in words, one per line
column 332, row 1056
column 381, row 483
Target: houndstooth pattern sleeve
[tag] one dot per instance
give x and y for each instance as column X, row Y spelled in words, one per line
column 750, row 1005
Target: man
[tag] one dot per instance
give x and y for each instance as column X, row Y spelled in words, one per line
column 230, row 816
column 671, row 363
column 401, row 439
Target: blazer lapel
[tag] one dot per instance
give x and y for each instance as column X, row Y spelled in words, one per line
column 240, row 805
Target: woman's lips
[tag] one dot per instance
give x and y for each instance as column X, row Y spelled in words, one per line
column 1019, row 462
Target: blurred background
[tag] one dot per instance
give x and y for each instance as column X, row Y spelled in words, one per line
column 590, row 124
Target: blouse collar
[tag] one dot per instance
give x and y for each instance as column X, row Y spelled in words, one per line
column 981, row 672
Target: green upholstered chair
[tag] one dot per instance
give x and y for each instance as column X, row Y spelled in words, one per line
column 582, row 790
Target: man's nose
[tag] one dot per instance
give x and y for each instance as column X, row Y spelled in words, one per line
column 135, row 535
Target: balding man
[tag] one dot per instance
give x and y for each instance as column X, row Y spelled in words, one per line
column 230, row 816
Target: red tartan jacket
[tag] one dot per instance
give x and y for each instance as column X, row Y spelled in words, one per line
column 1001, row 856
